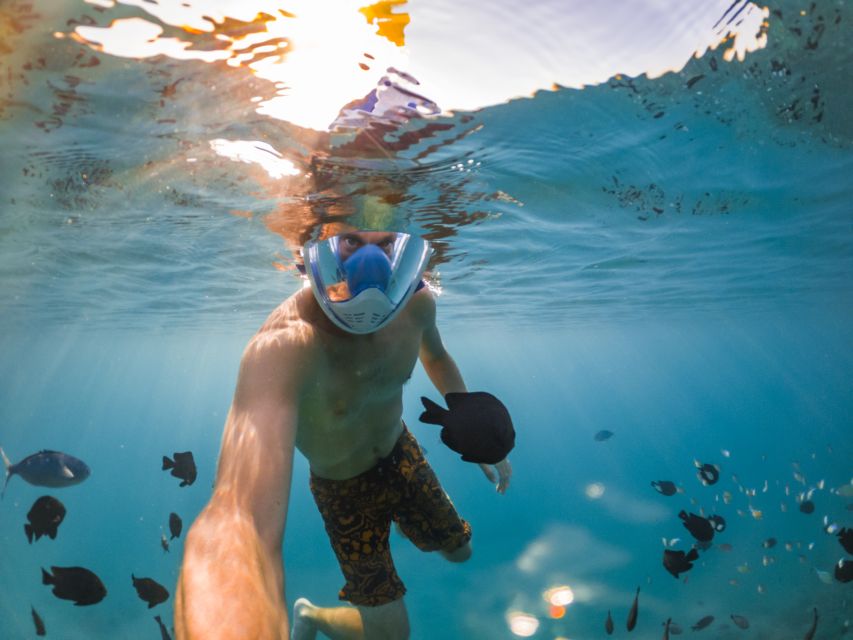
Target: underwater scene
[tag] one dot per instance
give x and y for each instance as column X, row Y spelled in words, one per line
column 642, row 244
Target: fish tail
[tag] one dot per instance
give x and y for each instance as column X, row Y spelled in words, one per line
column 46, row 578
column 434, row 413
column 29, row 531
column 8, row 465
column 167, row 463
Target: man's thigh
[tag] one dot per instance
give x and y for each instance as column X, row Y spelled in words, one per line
column 385, row 622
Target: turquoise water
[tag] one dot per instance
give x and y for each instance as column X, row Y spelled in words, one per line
column 668, row 258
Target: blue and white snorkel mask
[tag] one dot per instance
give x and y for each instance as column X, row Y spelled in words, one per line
column 363, row 279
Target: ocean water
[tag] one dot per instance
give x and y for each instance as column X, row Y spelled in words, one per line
column 642, row 220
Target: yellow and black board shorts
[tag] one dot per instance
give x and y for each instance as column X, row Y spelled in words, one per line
column 358, row 512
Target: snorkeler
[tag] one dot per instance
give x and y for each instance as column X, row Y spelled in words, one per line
column 325, row 374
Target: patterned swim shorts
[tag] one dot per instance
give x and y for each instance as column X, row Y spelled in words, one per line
column 358, row 512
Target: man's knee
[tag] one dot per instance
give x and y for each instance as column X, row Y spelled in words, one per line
column 386, row 622
column 460, row 554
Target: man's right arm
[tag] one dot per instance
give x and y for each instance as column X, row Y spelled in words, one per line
column 232, row 578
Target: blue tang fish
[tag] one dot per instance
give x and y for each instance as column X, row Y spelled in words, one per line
column 47, row 469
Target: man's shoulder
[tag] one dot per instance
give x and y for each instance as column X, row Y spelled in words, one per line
column 422, row 306
column 285, row 329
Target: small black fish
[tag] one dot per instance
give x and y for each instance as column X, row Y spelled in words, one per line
column 632, row 614
column 176, row 525
column 475, row 424
column 150, row 591
column 677, row 562
column 844, row 570
column 44, row 517
column 40, row 630
column 164, row 542
column 810, row 633
column 845, row 537
column 769, row 543
column 603, row 435
column 718, row 522
column 708, row 473
column 740, row 621
column 75, row 583
column 699, row 527
column 164, row 633
column 47, row 469
column 183, row 467
column 608, row 624
column 703, row 623
column 807, row 506
column 665, row 487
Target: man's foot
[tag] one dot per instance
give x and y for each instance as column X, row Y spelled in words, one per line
column 303, row 627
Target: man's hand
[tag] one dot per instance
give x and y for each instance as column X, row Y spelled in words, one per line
column 501, row 478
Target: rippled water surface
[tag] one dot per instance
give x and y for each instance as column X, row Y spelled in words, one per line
column 642, row 221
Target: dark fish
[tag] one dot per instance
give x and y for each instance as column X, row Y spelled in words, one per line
column 740, row 621
column 677, row 562
column 44, row 517
column 608, row 624
column 183, row 467
column 807, row 506
column 699, row 527
column 164, row 542
column 694, row 80
column 632, row 614
column 845, row 537
column 150, row 591
column 703, row 623
column 810, row 633
column 40, row 630
column 176, row 525
column 164, row 633
column 708, row 473
column 476, row 424
column 47, row 469
column 665, row 487
column 844, row 570
column 75, row 583
column 666, row 628
column 769, row 543
column 603, row 435
column 718, row 522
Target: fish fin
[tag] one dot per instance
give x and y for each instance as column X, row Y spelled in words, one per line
column 52, row 533
column 692, row 555
column 434, row 413
column 29, row 531
column 151, row 605
column 46, row 578
column 67, row 473
column 167, row 463
column 184, row 483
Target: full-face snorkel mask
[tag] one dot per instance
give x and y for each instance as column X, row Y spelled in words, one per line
column 363, row 279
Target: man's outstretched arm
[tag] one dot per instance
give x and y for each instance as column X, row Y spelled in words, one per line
column 444, row 374
column 232, row 578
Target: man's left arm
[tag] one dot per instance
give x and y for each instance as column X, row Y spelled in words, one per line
column 445, row 375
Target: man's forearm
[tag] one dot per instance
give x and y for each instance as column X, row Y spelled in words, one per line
column 230, row 586
column 444, row 374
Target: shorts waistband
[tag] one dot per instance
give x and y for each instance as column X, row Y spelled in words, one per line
column 389, row 461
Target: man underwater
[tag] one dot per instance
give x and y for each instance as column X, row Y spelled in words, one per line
column 325, row 374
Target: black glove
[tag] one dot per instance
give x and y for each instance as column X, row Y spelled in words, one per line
column 476, row 424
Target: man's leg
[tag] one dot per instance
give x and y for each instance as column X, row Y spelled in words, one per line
column 384, row 622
